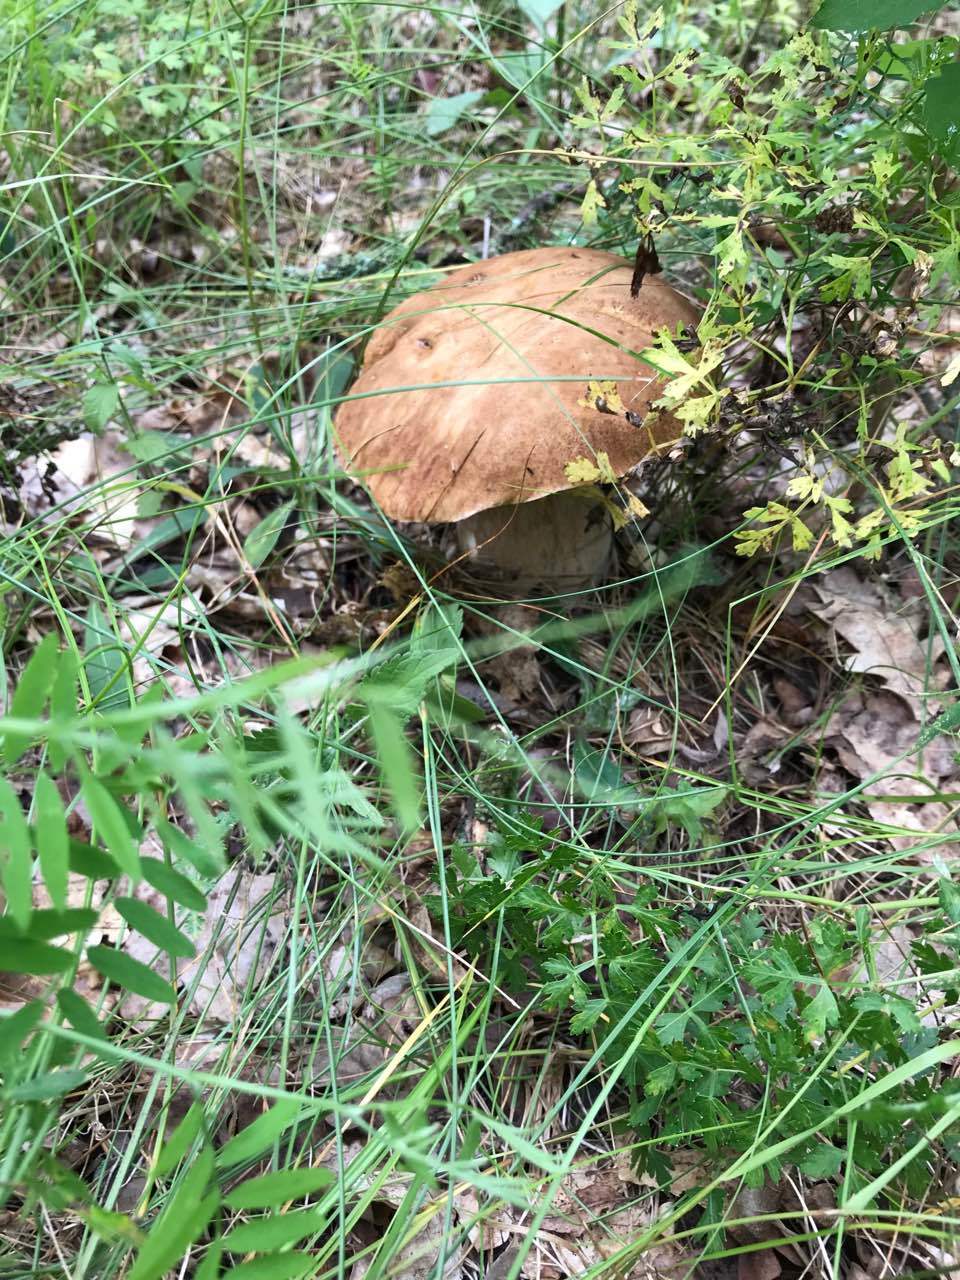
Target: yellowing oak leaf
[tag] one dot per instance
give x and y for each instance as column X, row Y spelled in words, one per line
column 636, row 507
column 581, row 471
column 585, row 471
column 802, row 536
column 695, row 412
column 592, row 202
column 603, row 396
column 686, row 375
column 805, row 486
column 840, row 527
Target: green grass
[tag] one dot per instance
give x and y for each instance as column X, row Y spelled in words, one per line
column 536, row 947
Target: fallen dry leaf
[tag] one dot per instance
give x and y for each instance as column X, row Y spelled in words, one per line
column 883, row 634
column 796, row 704
column 235, row 942
column 419, row 1257
column 876, row 734
column 102, row 461
column 361, row 1048
column 758, row 750
column 650, row 731
column 595, row 1213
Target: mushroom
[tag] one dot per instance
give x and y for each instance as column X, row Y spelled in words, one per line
column 475, row 397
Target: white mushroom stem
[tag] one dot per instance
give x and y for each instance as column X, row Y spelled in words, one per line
column 564, row 542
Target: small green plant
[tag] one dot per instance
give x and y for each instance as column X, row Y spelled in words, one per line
column 717, row 1026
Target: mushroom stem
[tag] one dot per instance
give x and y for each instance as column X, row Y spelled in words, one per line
column 563, row 541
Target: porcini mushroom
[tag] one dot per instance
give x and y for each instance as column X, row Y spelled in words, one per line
column 475, row 397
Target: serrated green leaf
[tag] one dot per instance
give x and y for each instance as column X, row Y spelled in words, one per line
column 110, row 825
column 899, row 1008
column 155, row 928
column 275, row 1188
column 401, row 681
column 30, row 696
column 260, row 1134
column 586, row 1018
column 51, row 838
column 172, row 884
column 262, row 538
column 274, row 1231
column 79, row 1014
column 443, row 113
column 272, row 1266
column 825, row 1161
column 821, row 1012
column 131, row 974
column 871, row 15
column 15, row 859
column 686, row 807
column 100, row 403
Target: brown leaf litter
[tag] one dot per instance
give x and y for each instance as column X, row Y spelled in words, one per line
column 875, row 732
column 882, row 633
column 238, row 941
column 599, row 1208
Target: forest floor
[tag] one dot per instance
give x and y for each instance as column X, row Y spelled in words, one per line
column 600, row 933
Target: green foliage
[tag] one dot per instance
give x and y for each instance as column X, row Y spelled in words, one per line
column 540, row 11
column 746, row 1001
column 700, row 990
column 274, row 1188
column 941, row 109
column 443, row 113
column 820, row 190
column 100, row 403
column 864, row 15
column 262, row 540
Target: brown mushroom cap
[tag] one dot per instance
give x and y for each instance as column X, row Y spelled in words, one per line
column 433, row 452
